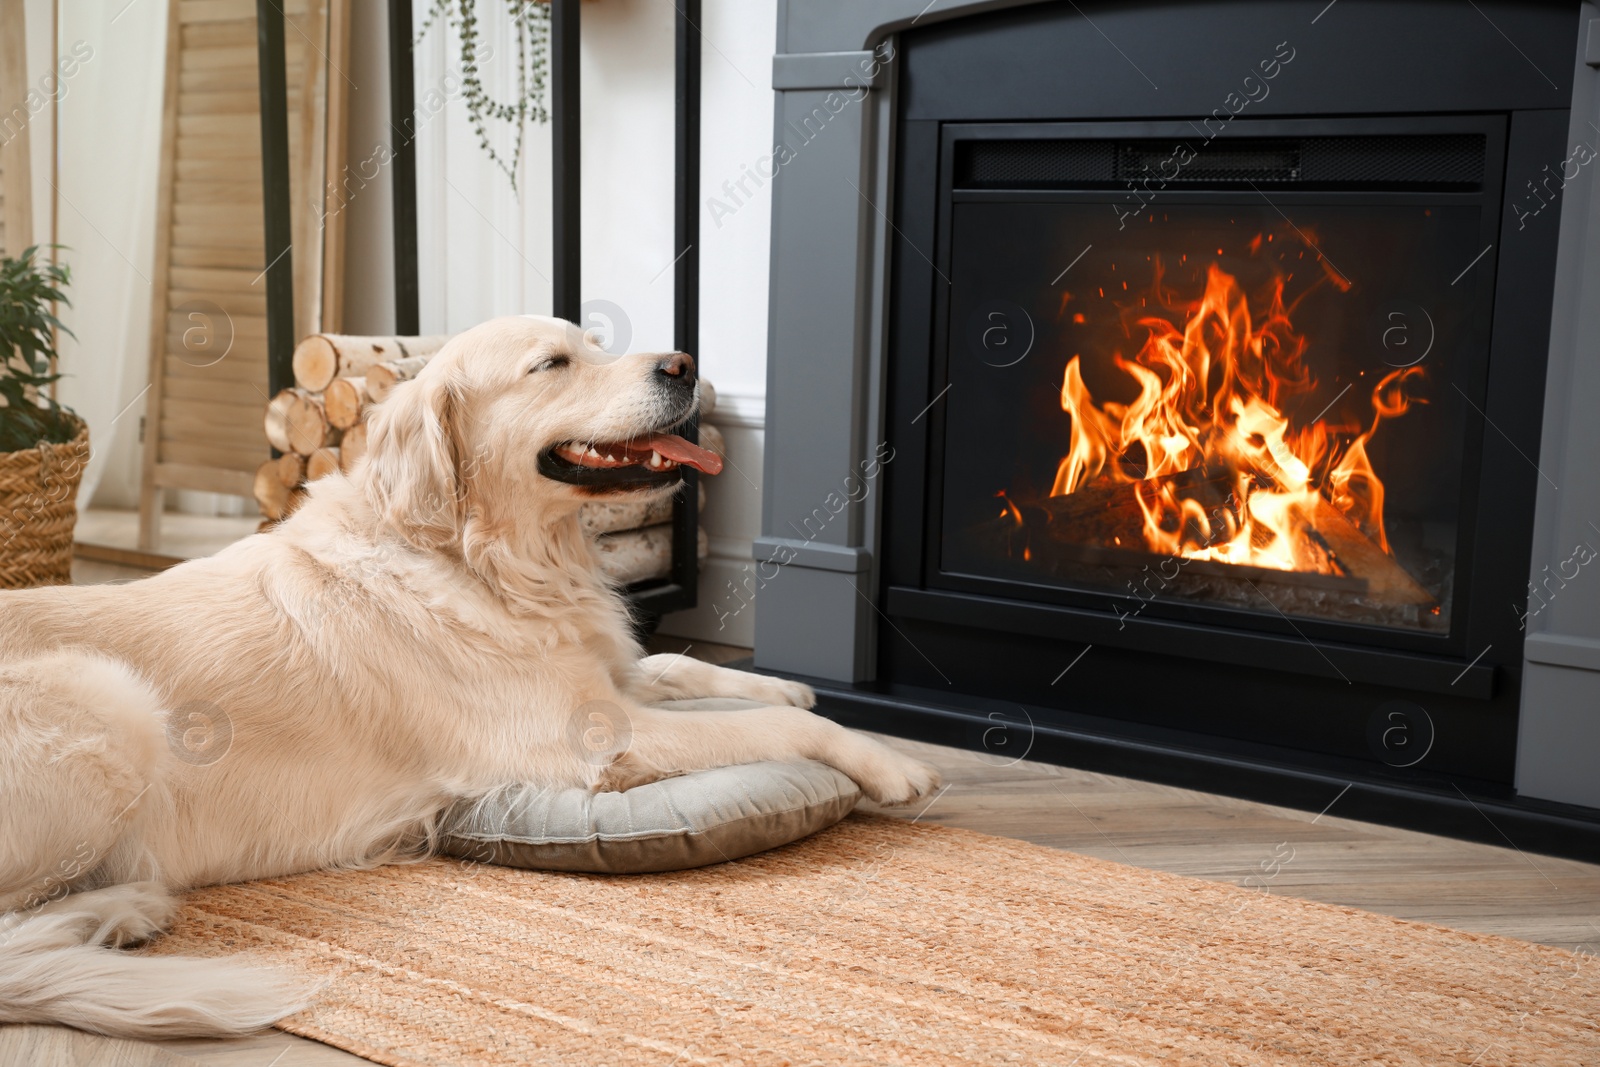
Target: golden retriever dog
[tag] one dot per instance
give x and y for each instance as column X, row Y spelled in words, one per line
column 419, row 632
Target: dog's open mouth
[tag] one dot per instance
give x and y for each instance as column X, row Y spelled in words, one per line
column 643, row 463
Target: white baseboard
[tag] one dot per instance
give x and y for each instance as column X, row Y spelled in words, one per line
column 742, row 410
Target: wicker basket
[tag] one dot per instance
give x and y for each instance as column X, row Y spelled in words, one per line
column 38, row 509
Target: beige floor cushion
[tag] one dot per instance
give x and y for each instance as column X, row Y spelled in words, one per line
column 670, row 825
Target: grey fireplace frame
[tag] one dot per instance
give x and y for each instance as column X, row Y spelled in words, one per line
column 1558, row 745
column 835, row 81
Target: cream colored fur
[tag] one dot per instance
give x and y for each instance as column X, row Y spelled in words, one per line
column 421, row 631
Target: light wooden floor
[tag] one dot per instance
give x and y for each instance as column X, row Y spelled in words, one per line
column 1317, row 857
column 182, row 535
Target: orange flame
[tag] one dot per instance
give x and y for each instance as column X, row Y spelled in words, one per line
column 1234, row 432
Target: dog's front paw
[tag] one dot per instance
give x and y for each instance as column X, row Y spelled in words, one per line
column 625, row 772
column 890, row 777
column 781, row 691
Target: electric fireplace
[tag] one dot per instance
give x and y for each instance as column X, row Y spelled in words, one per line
column 1220, row 396
column 1199, row 350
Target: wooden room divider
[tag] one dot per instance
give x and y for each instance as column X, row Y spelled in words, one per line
column 208, row 334
column 16, row 201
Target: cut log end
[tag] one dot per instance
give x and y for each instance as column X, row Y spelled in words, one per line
column 321, row 463
column 272, row 496
column 382, row 378
column 323, row 357
column 307, row 426
column 291, row 469
column 342, row 401
column 316, row 362
column 276, row 420
column 296, row 422
column 352, row 447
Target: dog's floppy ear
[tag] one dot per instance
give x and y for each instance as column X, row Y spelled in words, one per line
column 414, row 462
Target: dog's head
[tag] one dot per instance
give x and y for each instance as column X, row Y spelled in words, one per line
column 519, row 421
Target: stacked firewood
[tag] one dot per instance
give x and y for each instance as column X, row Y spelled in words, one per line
column 320, row 427
column 320, row 424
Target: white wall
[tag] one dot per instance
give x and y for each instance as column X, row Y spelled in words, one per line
column 485, row 251
column 627, row 134
column 736, row 131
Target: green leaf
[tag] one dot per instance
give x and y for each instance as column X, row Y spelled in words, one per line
column 27, row 350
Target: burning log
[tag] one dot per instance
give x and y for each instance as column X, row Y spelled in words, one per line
column 1386, row 580
column 1110, row 515
column 1101, row 530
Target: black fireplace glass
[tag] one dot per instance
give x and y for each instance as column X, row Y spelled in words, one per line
column 1253, row 402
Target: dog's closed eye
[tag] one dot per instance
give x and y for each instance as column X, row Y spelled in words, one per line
column 552, row 363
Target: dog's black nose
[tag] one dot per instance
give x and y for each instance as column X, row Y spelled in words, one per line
column 678, row 369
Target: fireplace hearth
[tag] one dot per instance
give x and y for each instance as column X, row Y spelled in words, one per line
column 1211, row 342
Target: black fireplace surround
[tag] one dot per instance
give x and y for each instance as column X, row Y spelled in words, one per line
column 1136, row 334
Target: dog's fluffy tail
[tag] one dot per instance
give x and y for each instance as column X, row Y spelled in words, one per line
column 60, row 964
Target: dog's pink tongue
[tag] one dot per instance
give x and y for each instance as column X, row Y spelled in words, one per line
column 678, row 450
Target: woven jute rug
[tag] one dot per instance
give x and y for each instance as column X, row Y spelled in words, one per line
column 883, row 942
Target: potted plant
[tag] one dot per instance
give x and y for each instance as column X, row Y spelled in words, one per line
column 44, row 447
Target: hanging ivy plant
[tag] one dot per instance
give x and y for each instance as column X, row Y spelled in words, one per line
column 530, row 21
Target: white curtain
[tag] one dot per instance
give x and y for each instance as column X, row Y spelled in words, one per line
column 484, row 250
column 105, row 190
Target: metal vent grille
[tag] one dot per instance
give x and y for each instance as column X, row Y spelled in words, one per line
column 1441, row 159
column 1026, row 164
column 1242, row 161
column 1438, row 161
